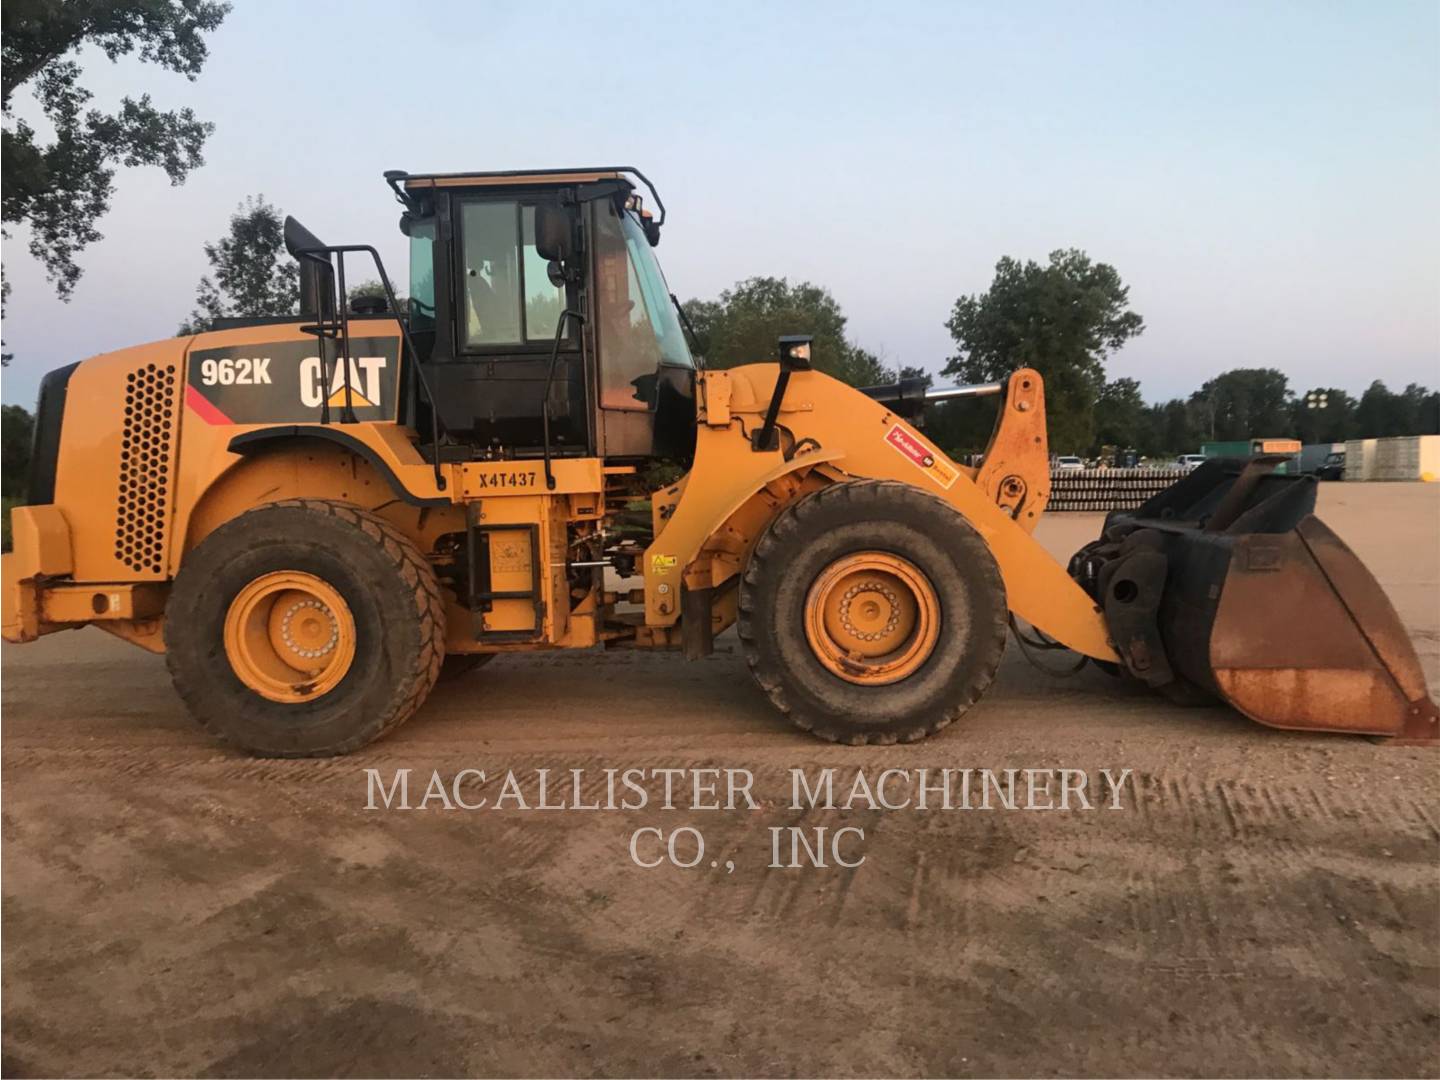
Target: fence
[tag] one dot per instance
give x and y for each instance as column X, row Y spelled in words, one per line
column 1107, row 489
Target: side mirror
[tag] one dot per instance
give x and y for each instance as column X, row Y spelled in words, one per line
column 556, row 273
column 298, row 238
column 554, row 239
column 317, row 276
column 795, row 352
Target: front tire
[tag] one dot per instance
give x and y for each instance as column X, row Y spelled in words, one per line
column 872, row 612
column 304, row 628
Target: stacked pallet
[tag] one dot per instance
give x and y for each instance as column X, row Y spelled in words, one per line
column 1360, row 459
column 1107, row 489
column 1411, row 457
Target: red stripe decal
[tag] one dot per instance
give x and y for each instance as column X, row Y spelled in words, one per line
column 202, row 405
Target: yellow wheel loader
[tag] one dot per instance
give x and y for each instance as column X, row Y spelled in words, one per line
column 312, row 516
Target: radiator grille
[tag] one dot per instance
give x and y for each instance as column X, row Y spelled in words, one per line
column 140, row 516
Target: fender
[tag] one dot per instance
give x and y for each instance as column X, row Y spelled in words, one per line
column 260, row 439
column 300, row 468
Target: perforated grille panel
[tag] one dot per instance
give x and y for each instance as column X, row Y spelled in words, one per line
column 145, row 446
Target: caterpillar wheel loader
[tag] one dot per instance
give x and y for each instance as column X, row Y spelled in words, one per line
column 312, row 516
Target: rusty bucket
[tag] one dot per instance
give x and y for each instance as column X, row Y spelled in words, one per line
column 1226, row 585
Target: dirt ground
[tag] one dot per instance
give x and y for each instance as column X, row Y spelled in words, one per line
column 1261, row 903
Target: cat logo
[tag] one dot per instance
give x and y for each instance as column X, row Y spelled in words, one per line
column 364, row 372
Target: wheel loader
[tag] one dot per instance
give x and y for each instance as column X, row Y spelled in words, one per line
column 314, row 515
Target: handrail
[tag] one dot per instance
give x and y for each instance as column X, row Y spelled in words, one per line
column 341, row 328
column 549, row 381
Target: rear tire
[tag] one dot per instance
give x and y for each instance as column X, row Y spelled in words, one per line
column 228, row 652
column 930, row 585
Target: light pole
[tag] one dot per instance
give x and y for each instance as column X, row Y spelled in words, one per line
column 1316, row 399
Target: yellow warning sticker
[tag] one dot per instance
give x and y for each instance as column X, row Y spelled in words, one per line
column 662, row 564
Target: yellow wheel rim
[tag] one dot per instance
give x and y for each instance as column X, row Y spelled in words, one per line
column 872, row 618
column 289, row 636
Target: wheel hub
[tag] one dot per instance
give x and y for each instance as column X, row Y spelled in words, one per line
column 307, row 628
column 289, row 636
column 872, row 618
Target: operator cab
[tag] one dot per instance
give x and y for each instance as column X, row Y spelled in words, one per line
column 535, row 286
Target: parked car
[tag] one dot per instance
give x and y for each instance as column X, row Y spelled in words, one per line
column 1189, row 461
column 1067, row 462
column 1333, row 468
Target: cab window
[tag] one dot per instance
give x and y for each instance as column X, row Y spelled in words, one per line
column 638, row 329
column 509, row 299
column 422, row 274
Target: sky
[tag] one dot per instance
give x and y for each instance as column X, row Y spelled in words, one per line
column 1264, row 176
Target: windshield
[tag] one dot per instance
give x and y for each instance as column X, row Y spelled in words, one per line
column 637, row 328
column 656, row 294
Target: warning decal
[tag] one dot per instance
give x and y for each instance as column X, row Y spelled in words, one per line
column 920, row 454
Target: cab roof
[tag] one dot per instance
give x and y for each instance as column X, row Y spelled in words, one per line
column 513, row 177
column 625, row 174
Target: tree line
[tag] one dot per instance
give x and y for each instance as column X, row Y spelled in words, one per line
column 1065, row 318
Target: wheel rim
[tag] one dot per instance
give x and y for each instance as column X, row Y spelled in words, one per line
column 872, row 618
column 289, row 636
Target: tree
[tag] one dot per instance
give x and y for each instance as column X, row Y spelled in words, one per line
column 742, row 327
column 1063, row 319
column 17, row 429
column 62, row 187
column 1244, row 403
column 962, row 426
column 863, row 368
column 1375, row 415
column 1430, row 414
column 1119, row 415
column 1381, row 412
column 253, row 276
column 1169, row 429
column 1410, row 410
